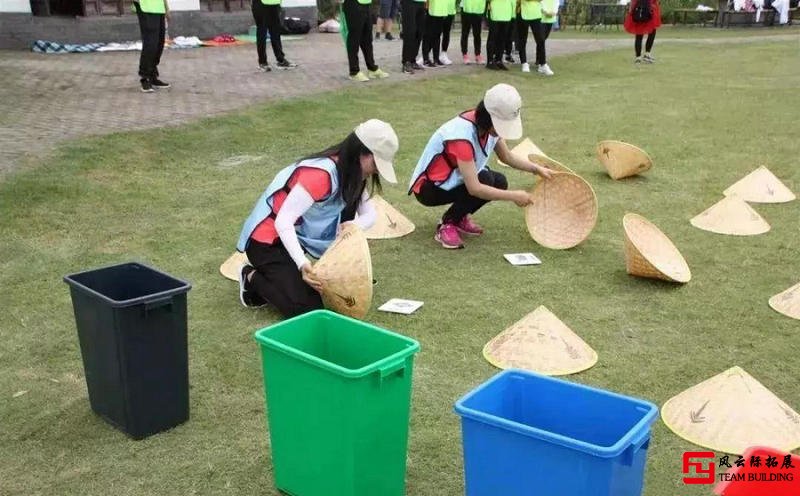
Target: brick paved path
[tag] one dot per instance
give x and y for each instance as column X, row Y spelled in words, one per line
column 45, row 99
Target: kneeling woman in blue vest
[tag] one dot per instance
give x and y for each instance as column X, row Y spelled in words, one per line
column 301, row 211
column 453, row 167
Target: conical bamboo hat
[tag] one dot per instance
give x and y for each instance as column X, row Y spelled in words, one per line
column 650, row 253
column 731, row 412
column 540, row 342
column 733, row 216
column 622, row 159
column 230, row 267
column 548, row 162
column 345, row 270
column 761, row 186
column 390, row 223
column 563, row 212
column 523, row 149
column 788, row 302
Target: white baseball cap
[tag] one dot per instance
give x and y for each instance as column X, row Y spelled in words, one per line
column 382, row 141
column 504, row 104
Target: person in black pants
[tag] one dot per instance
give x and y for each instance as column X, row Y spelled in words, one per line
column 267, row 14
column 474, row 23
column 358, row 17
column 413, row 13
column 152, row 15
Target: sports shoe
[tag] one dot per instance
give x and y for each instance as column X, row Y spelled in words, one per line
column 417, row 67
column 377, row 74
column 264, row 67
column 466, row 60
column 637, row 60
column 249, row 299
column 447, row 235
column 285, row 64
column 545, row 69
column 159, row 84
column 444, row 59
column 147, row 86
column 408, row 68
column 501, row 66
column 492, row 66
column 467, row 226
column 479, row 59
column 359, row 77
column 648, row 58
column 526, row 67
column 428, row 64
column 510, row 59
column 389, row 37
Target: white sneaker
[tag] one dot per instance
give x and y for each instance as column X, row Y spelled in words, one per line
column 526, row 67
column 444, row 59
column 545, row 69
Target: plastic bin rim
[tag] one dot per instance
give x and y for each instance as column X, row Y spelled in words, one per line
column 412, row 346
column 636, row 435
column 69, row 279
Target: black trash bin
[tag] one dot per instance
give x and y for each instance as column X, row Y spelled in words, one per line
column 132, row 322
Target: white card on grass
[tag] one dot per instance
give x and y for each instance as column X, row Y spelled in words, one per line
column 397, row 305
column 522, row 259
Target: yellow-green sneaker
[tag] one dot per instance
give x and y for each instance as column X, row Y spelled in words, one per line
column 378, row 74
column 359, row 77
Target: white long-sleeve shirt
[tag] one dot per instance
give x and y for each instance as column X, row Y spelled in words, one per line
column 296, row 204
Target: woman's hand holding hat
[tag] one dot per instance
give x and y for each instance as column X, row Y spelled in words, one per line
column 310, row 278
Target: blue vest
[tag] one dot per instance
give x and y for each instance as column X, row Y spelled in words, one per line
column 458, row 128
column 317, row 227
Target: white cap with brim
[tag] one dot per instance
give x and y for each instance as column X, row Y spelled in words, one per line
column 503, row 103
column 381, row 140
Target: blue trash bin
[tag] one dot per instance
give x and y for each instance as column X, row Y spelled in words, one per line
column 525, row 434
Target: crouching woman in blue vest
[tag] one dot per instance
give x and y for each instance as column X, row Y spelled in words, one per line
column 453, row 169
column 301, row 211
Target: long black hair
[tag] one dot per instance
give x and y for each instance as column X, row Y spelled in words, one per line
column 483, row 119
column 348, row 168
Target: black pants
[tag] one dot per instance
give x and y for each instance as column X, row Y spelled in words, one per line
column 446, row 26
column 268, row 18
column 511, row 37
column 433, row 35
column 413, row 29
column 541, row 31
column 637, row 43
column 498, row 36
column 278, row 281
column 471, row 22
column 359, row 34
column 153, row 30
column 463, row 203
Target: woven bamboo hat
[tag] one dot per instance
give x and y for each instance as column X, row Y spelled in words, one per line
column 523, row 149
column 622, row 159
column 230, row 267
column 563, row 212
column 788, row 302
column 548, row 162
column 761, row 186
column 540, row 342
column 733, row 216
column 731, row 412
column 650, row 253
column 345, row 270
column 390, row 223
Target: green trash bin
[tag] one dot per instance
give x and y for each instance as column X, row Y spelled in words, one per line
column 338, row 394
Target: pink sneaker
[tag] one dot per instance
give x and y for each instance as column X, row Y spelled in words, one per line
column 466, row 226
column 479, row 59
column 466, row 59
column 447, row 235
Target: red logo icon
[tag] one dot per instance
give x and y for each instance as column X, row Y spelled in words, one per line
column 704, row 472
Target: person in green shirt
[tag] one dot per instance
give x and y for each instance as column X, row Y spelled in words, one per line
column 358, row 17
column 267, row 14
column 152, row 15
column 501, row 14
column 437, row 13
column 539, row 15
column 413, row 17
column 446, row 27
column 472, row 20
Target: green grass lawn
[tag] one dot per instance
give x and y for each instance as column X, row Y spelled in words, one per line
column 165, row 197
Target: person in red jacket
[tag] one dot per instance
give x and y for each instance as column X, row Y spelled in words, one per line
column 643, row 18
